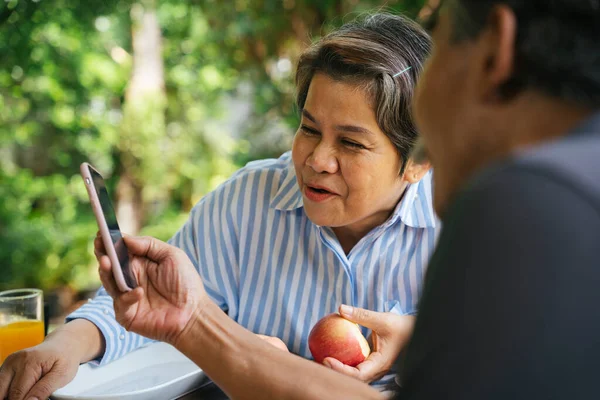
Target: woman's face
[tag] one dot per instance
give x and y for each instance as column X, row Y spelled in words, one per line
column 346, row 167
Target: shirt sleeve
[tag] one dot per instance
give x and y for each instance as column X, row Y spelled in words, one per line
column 100, row 312
column 509, row 309
column 209, row 238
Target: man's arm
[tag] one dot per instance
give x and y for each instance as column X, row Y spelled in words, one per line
column 510, row 303
column 171, row 305
column 246, row 367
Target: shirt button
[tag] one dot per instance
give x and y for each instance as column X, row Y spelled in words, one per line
column 89, row 300
column 105, row 311
column 121, row 336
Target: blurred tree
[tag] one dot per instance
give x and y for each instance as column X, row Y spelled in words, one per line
column 143, row 128
column 59, row 105
column 165, row 97
column 263, row 40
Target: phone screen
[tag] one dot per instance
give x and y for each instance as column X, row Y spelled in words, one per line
column 113, row 227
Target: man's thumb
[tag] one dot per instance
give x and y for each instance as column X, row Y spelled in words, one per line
column 369, row 319
column 148, row 247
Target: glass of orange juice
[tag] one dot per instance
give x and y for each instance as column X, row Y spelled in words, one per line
column 21, row 320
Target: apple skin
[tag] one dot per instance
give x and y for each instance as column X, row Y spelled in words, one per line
column 335, row 336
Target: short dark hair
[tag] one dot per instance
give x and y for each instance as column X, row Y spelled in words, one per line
column 368, row 52
column 557, row 45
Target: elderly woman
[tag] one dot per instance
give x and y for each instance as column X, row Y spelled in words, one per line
column 344, row 218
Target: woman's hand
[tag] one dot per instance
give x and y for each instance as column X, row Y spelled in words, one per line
column 274, row 341
column 38, row 371
column 170, row 290
column 391, row 333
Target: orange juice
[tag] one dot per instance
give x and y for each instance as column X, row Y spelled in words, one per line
column 20, row 335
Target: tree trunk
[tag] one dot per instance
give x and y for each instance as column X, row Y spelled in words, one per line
column 428, row 8
column 130, row 205
column 148, row 74
column 143, row 120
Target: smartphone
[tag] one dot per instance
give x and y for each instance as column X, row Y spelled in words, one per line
column 109, row 228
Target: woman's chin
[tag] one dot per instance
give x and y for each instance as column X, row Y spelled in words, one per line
column 322, row 216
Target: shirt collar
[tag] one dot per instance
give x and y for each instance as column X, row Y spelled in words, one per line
column 288, row 196
column 415, row 209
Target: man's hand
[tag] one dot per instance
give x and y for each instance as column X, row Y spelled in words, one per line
column 391, row 333
column 169, row 291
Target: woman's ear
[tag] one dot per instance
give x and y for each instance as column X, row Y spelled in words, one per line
column 414, row 171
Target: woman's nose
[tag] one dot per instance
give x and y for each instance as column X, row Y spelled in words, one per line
column 323, row 159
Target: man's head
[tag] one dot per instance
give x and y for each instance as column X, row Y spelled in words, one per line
column 504, row 75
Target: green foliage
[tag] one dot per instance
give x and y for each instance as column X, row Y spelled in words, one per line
column 42, row 232
column 64, row 72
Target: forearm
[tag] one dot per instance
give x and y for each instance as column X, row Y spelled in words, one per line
column 83, row 338
column 246, row 367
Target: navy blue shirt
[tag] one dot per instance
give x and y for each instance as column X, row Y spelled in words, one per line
column 511, row 303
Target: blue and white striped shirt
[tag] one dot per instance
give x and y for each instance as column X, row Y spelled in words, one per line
column 276, row 273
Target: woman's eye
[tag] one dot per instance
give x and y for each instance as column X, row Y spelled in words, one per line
column 309, row 131
column 352, row 144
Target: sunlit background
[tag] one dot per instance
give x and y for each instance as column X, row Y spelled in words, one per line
column 165, row 97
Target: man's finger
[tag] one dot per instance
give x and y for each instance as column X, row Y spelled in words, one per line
column 128, row 299
column 126, row 306
column 99, row 250
column 149, row 247
column 106, row 277
column 340, row 367
column 375, row 321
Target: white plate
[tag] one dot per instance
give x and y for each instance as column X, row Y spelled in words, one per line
column 157, row 371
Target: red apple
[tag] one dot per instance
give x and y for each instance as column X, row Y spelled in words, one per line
column 335, row 336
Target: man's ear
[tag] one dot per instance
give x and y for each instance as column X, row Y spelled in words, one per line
column 496, row 46
column 414, row 171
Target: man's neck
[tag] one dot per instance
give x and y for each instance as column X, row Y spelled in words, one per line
column 537, row 119
column 532, row 120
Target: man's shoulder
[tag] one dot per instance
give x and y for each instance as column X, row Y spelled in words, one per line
column 571, row 164
column 556, row 184
column 573, row 160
